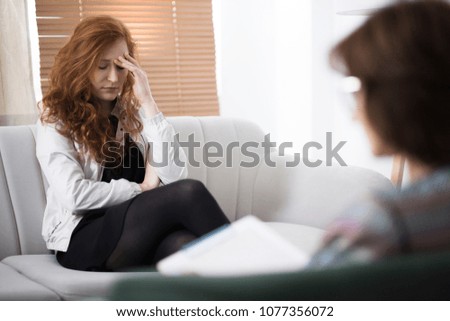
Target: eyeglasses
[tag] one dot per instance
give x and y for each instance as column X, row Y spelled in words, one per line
column 351, row 84
column 348, row 87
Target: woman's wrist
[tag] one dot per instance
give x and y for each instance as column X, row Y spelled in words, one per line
column 146, row 187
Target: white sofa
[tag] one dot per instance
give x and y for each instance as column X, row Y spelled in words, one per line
column 299, row 201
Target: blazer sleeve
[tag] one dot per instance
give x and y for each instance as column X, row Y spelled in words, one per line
column 62, row 166
column 364, row 233
column 165, row 153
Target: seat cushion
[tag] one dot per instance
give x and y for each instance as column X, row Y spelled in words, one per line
column 15, row 286
column 68, row 284
column 306, row 238
column 41, row 277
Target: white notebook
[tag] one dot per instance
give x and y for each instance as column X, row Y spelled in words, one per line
column 247, row 246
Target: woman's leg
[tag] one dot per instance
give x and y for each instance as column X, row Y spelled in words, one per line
column 181, row 206
column 172, row 243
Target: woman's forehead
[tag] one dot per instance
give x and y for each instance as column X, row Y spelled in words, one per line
column 116, row 49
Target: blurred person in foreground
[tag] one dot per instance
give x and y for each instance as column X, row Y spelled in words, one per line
column 398, row 62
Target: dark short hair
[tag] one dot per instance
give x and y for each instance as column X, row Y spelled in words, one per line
column 401, row 54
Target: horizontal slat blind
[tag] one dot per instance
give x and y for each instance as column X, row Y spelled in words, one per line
column 175, row 45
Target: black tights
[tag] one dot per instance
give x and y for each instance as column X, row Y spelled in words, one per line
column 159, row 221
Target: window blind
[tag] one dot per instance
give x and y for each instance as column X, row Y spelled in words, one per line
column 175, row 42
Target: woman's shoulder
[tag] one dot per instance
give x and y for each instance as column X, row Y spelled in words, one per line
column 47, row 126
column 45, row 119
column 49, row 137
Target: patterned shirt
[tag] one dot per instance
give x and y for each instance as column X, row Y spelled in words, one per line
column 415, row 219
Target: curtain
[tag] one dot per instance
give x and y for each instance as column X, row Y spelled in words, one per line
column 175, row 41
column 17, row 99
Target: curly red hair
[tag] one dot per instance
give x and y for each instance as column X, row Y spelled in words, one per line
column 69, row 102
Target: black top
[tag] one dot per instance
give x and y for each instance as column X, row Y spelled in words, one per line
column 132, row 166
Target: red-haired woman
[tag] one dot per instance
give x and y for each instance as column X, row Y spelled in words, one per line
column 104, row 211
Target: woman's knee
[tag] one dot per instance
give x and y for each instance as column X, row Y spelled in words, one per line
column 191, row 187
column 186, row 193
column 189, row 190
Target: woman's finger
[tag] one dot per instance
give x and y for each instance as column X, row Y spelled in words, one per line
column 130, row 58
column 133, row 69
column 122, row 62
column 141, row 86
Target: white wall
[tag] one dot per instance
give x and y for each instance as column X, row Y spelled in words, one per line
column 272, row 67
column 263, row 59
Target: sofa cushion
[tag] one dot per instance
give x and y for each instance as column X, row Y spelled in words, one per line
column 304, row 237
column 311, row 196
column 68, row 284
column 15, row 286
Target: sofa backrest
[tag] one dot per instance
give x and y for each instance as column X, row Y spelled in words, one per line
column 231, row 184
column 296, row 195
column 22, row 187
column 311, row 196
column 22, row 194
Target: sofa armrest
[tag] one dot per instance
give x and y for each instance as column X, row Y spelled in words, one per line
column 385, row 280
column 310, row 196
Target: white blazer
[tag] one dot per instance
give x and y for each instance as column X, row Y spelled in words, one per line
column 74, row 178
